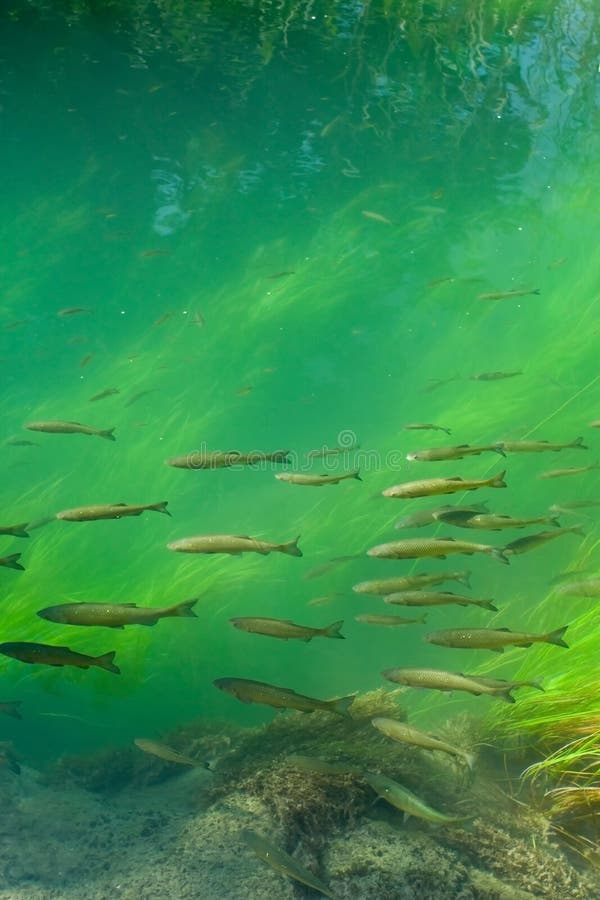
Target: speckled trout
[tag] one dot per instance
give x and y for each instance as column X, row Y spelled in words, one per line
column 235, row 544
column 440, row 680
column 406, row 734
column 249, row 691
column 418, row 548
column 429, row 487
column 385, row 586
column 493, row 638
column 58, row 426
column 411, row 805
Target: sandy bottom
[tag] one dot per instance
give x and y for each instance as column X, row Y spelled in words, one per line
column 169, row 841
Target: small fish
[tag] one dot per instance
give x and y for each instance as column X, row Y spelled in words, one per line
column 284, row 864
column 16, row 530
column 594, row 424
column 12, row 562
column 248, row 691
column 58, row 426
column 406, row 734
column 219, row 459
column 50, row 655
column 324, row 452
column 19, row 323
column 14, row 442
column 524, row 544
column 162, row 319
column 430, row 487
column 589, row 587
column 283, row 274
column 411, row 805
column 377, row 217
column 435, row 383
column 86, row 359
column 428, row 516
column 540, row 446
column 574, row 470
column 494, row 376
column 110, row 511
column 427, row 427
column 73, row 311
column 11, row 708
column 320, row 766
column 385, row 586
column 506, row 295
column 419, row 548
column 492, row 521
column 438, row 454
column 101, row 396
column 244, row 391
column 569, row 506
column 323, row 601
column 435, row 598
column 440, row 680
column 443, row 280
column 234, row 544
column 370, row 619
column 139, row 396
column 495, row 639
column 285, row 629
column 502, row 685
column 147, row 254
column 555, row 264
column 329, row 566
column 162, row 751
column 115, row 615
column 315, row 480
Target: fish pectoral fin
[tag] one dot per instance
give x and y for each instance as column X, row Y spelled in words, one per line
column 526, row 645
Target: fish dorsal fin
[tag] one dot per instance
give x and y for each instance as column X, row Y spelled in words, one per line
column 502, row 629
column 118, row 504
column 71, row 422
column 455, row 478
column 129, row 605
column 244, row 537
column 460, row 446
column 447, row 538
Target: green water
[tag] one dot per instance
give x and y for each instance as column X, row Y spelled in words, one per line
column 246, row 143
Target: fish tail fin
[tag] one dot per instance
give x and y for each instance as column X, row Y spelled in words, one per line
column 291, row 548
column 447, row 430
column 498, row 553
column 553, row 520
column 536, row 683
column 578, row 442
column 108, row 433
column 341, row 705
column 106, row 662
column 498, row 448
column 333, row 630
column 505, row 695
column 160, row 507
column 12, row 562
column 465, row 579
column 19, row 530
column 11, row 708
column 556, row 637
column 577, row 529
column 535, row 291
column 487, row 604
column 184, row 610
column 356, row 475
column 498, row 480
column 422, row 619
column 469, row 758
